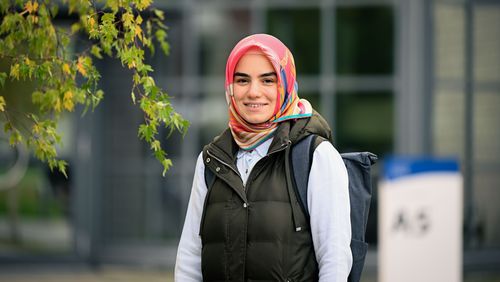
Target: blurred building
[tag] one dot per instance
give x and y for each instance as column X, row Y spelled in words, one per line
column 417, row 77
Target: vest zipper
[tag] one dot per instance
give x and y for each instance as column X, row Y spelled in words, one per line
column 283, row 147
column 224, row 163
column 246, row 204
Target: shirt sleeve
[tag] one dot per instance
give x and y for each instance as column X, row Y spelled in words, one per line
column 329, row 209
column 188, row 261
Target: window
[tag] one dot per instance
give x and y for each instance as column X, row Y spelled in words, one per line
column 299, row 30
column 365, row 40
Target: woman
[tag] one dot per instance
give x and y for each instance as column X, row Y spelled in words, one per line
column 244, row 226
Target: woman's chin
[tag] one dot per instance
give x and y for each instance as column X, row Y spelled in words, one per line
column 256, row 119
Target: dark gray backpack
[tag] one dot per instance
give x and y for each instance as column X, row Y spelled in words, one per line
column 360, row 191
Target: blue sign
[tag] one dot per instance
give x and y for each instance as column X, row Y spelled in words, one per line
column 396, row 167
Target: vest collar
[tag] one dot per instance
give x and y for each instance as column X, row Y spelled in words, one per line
column 227, row 149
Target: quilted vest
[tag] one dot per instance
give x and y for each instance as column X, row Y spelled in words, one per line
column 249, row 233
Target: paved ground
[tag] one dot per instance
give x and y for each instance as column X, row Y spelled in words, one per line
column 83, row 274
column 61, row 273
column 108, row 276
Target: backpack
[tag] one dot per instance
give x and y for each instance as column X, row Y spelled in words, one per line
column 358, row 170
column 360, row 190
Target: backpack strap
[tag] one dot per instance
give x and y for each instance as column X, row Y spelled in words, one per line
column 209, row 178
column 301, row 161
column 209, row 182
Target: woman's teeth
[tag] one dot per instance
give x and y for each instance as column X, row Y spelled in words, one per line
column 255, row 105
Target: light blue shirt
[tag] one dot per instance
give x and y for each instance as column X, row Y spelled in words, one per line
column 246, row 160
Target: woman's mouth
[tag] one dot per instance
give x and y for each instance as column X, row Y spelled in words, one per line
column 255, row 105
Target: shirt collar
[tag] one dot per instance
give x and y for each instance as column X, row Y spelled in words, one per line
column 261, row 150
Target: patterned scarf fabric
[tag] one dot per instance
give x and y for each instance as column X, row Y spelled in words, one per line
column 247, row 135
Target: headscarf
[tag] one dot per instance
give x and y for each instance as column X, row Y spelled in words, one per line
column 289, row 106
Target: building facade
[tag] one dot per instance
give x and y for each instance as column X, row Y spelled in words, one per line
column 406, row 77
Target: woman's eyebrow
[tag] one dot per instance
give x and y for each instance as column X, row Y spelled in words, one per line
column 268, row 74
column 262, row 75
column 241, row 74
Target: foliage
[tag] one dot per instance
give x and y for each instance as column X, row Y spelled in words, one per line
column 39, row 51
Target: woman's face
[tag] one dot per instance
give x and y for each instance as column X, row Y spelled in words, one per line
column 255, row 87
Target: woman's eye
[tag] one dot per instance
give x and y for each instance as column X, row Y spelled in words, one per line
column 241, row 80
column 268, row 81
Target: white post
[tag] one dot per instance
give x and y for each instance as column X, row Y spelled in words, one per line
column 420, row 221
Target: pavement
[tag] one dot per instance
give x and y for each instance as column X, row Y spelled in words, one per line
column 72, row 273
column 84, row 273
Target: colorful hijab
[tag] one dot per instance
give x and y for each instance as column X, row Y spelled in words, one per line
column 248, row 136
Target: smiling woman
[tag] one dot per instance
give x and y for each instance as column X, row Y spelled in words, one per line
column 242, row 226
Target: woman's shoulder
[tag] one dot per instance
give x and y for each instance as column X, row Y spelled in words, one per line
column 222, row 144
column 222, row 137
column 326, row 147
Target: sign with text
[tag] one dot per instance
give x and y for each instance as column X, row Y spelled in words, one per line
column 420, row 220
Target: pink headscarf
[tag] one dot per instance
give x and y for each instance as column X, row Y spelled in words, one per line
column 289, row 106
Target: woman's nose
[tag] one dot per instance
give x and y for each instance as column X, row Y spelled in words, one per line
column 254, row 90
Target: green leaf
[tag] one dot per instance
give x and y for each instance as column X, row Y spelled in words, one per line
column 15, row 137
column 37, row 97
column 2, row 104
column 96, row 51
column 185, row 126
column 128, row 19
column 7, row 127
column 167, row 163
column 54, row 9
column 64, row 40
column 161, row 37
column 136, row 78
column 14, row 71
column 61, row 165
column 142, row 4
column 3, row 77
column 132, row 94
column 159, row 13
column 155, row 145
column 96, row 99
column 75, row 28
column 146, row 132
column 144, row 69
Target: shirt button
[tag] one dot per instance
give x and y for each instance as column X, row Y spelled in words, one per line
column 217, row 169
column 208, row 160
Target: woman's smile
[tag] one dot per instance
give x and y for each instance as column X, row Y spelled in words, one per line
column 255, row 105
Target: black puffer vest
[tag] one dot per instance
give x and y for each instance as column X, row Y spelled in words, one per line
column 257, row 232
